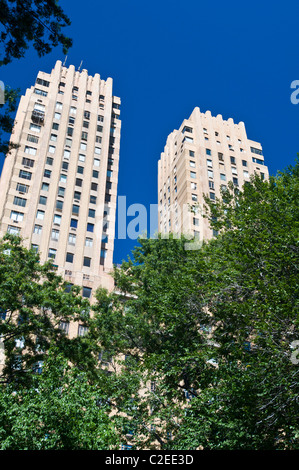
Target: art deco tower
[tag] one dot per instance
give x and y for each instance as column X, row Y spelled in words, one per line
column 58, row 188
column 199, row 158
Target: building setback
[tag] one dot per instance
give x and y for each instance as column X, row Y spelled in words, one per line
column 199, row 158
column 58, row 189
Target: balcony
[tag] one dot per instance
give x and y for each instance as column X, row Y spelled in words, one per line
column 38, row 116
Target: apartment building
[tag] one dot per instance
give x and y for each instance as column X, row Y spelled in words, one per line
column 58, row 189
column 199, row 159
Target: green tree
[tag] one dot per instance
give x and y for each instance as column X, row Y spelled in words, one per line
column 207, row 333
column 34, row 301
column 61, row 411
column 39, row 22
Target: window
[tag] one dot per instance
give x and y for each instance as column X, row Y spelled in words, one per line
column 98, row 139
column 88, row 241
column 49, row 161
column 37, row 229
column 212, row 196
column 57, row 116
column 47, row 173
column 28, row 162
column 75, row 209
column 51, row 149
column 95, row 174
column 192, row 174
column 78, row 182
column 68, row 142
column 80, row 170
column 103, row 253
column 208, row 152
column 57, row 219
column 81, row 157
column 30, row 150
column 74, row 223
column 66, row 154
column 257, row 151
column 100, row 118
column 69, row 131
column 40, row 215
column 222, row 176
column 42, row 82
column 246, row 174
column 35, row 127
column 69, row 257
column 96, row 162
column 195, row 221
column 193, row 186
column 19, row 201
column 61, row 191
column 13, row 230
column 65, row 166
column 84, row 136
column 77, row 195
column 233, row 160
column 73, row 110
column 93, row 199
column 109, row 173
column 64, row 326
column 91, row 213
column 55, row 234
column 17, row 216
column 192, row 164
column 63, row 178
column 211, row 184
column 244, row 162
column 209, row 163
column 86, row 261
column 45, row 187
column 235, row 181
column 72, row 239
column 82, row 330
column 58, row 105
column 194, row 197
column 86, row 124
column 86, row 114
column 90, row 227
column 53, row 137
column 94, row 186
column 55, row 126
column 97, row 150
column 83, row 146
column 22, row 188
column 257, row 160
column 32, row 138
column 210, row 174
column 99, row 128
column 59, row 205
column 52, row 253
column 42, row 200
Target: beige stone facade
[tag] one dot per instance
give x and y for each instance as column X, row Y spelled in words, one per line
column 58, row 190
column 204, row 154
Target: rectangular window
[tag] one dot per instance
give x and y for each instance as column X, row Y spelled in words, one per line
column 61, row 191
column 97, row 150
column 53, row 137
column 74, row 223
column 30, row 150
column 72, row 239
column 93, row 199
column 192, row 164
column 57, row 219
column 17, row 216
column 51, row 149
column 86, row 114
column 57, row 116
column 63, row 178
column 35, row 127
column 75, row 209
column 45, row 187
column 210, row 174
column 95, row 174
column 83, row 146
column 91, row 213
column 222, row 176
column 244, row 162
column 78, row 182
column 257, row 151
column 77, row 195
column 94, row 186
column 52, row 253
column 49, row 161
column 193, row 174
column 88, row 241
column 55, row 126
column 59, row 205
column 58, row 105
column 208, row 152
column 32, row 138
column 80, row 170
column 66, row 154
column 96, row 162
column 42, row 200
column 27, row 162
column 209, row 163
column 211, row 184
column 109, row 173
column 90, row 227
column 22, row 188
column 47, row 173
column 86, row 261
column 69, row 257
column 40, row 215
column 65, row 166
column 19, row 201
column 212, row 196
column 55, row 234
column 37, row 229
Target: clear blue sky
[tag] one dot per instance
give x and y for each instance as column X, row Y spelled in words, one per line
column 233, row 58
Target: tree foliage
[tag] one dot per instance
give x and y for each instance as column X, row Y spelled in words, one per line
column 39, row 22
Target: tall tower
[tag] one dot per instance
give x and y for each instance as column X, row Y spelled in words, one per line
column 199, row 158
column 58, row 189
